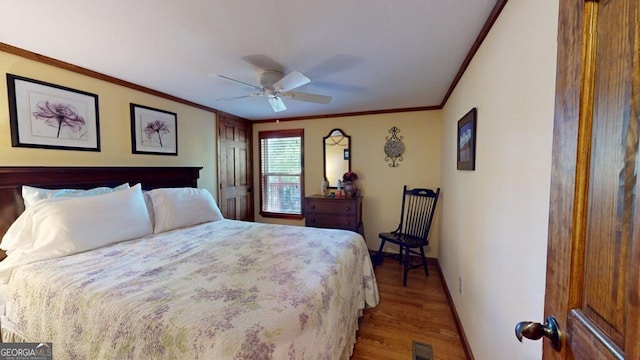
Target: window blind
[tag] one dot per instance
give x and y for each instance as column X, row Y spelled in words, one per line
column 281, row 172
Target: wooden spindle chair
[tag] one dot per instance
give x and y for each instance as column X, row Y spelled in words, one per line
column 418, row 207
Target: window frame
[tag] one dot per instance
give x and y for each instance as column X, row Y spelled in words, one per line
column 275, row 134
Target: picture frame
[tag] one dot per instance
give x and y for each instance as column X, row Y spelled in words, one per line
column 153, row 131
column 50, row 116
column 467, row 128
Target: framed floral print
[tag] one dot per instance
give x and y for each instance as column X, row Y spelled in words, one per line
column 44, row 115
column 153, row 131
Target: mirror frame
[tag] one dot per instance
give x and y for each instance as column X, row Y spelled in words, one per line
column 324, row 153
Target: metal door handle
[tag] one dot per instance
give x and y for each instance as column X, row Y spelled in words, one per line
column 534, row 331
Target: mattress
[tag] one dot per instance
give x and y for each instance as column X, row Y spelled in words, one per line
column 220, row 290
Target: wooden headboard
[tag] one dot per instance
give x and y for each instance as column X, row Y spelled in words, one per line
column 12, row 179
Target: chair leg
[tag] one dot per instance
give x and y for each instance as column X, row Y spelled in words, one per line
column 406, row 266
column 379, row 257
column 400, row 257
column 424, row 261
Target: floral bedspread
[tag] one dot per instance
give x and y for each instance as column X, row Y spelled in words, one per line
column 221, row 290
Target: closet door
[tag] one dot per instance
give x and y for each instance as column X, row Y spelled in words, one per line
column 235, row 168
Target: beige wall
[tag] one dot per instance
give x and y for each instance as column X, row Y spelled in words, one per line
column 380, row 184
column 196, row 128
column 494, row 220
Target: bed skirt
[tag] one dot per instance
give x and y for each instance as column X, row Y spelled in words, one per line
column 9, row 334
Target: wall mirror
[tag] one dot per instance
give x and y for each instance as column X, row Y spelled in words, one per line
column 337, row 156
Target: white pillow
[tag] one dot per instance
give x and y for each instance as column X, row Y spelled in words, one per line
column 19, row 233
column 179, row 207
column 149, row 204
column 31, row 194
column 14, row 237
column 58, row 227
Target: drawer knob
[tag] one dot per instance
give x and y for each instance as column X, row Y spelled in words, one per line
column 348, row 208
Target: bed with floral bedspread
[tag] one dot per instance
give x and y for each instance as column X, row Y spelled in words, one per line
column 220, row 290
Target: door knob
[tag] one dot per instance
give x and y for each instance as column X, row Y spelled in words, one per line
column 534, row 331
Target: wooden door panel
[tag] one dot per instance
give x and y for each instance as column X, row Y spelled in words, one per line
column 593, row 282
column 612, row 175
column 242, row 170
column 580, row 335
column 229, row 165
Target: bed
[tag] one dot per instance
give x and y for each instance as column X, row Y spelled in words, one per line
column 191, row 286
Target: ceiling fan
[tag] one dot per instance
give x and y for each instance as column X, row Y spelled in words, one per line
column 274, row 85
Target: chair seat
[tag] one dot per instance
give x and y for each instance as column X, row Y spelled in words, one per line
column 403, row 239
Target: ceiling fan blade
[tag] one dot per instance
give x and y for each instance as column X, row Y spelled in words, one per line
column 241, row 82
column 291, row 81
column 301, row 96
column 277, row 104
column 239, row 97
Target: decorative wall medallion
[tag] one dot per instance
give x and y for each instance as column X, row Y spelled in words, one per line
column 394, row 147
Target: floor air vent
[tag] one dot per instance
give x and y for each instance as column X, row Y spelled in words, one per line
column 421, row 351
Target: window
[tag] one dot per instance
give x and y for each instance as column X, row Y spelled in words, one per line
column 281, row 173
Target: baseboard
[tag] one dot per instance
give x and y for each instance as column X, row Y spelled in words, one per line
column 463, row 336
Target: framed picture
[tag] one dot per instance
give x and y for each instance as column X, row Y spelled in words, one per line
column 43, row 115
column 467, row 141
column 153, row 131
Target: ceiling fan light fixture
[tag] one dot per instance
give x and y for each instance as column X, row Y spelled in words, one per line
column 274, row 85
column 268, row 78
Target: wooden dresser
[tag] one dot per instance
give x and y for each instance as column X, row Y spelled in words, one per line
column 327, row 212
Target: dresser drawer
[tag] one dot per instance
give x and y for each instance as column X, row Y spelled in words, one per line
column 336, row 207
column 331, row 221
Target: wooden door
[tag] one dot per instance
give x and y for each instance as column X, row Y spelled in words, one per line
column 593, row 261
column 235, row 168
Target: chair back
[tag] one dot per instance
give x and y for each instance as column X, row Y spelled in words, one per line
column 418, row 207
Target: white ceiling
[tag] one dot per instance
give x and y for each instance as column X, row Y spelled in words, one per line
column 368, row 55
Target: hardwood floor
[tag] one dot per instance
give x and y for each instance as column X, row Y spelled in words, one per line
column 418, row 312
